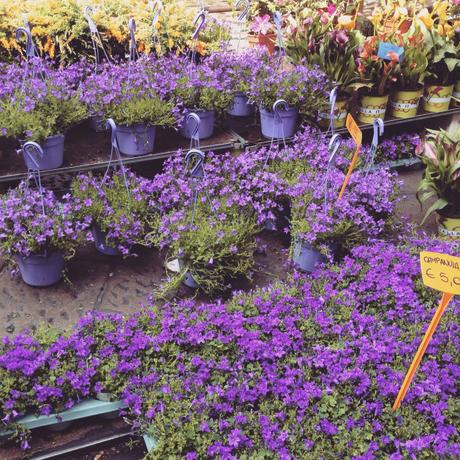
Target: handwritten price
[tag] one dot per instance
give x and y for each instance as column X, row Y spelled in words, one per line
column 441, row 272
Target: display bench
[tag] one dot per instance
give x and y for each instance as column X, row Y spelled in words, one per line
column 89, row 151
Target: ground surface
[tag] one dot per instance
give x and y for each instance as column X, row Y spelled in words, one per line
column 102, row 283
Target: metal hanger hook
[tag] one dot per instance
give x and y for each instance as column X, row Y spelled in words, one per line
column 197, row 169
column 199, row 21
column 33, row 151
column 243, row 15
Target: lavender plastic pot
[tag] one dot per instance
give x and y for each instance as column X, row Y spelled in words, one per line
column 305, row 257
column 190, row 281
column 241, row 107
column 53, row 154
column 206, row 128
column 98, row 124
column 136, row 140
column 277, row 127
column 41, row 270
column 100, row 241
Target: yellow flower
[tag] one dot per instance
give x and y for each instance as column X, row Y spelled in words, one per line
column 440, row 10
column 426, row 18
column 445, row 30
column 346, row 22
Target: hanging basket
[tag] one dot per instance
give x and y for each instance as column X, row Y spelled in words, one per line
column 206, row 126
column 305, row 257
column 100, row 241
column 404, row 104
column 136, row 140
column 278, row 126
column 241, row 106
column 437, row 98
column 41, row 270
column 53, row 154
column 449, row 226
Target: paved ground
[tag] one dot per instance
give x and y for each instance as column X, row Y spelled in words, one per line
column 102, row 283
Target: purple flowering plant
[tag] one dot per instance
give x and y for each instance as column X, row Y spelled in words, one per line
column 301, row 87
column 39, row 103
column 124, row 212
column 34, row 224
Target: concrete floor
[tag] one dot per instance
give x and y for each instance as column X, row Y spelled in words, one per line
column 102, row 283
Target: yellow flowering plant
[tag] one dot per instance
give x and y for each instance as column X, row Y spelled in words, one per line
column 61, row 32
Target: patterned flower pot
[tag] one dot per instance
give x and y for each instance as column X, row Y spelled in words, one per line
column 98, row 123
column 41, row 270
column 241, row 107
column 53, row 154
column 372, row 107
column 449, row 226
column 278, row 127
column 437, row 98
column 268, row 41
column 206, row 128
column 340, row 114
column 100, row 241
column 456, row 95
column 404, row 104
column 305, row 257
column 136, row 140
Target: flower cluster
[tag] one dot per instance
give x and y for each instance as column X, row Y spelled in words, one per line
column 33, row 223
column 297, row 370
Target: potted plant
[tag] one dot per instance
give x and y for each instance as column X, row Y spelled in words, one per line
column 236, row 71
column 376, row 75
column 304, row 91
column 199, row 89
column 410, row 75
column 443, row 59
column 119, row 208
column 214, row 244
column 38, row 233
column 42, row 112
column 440, row 153
column 262, row 33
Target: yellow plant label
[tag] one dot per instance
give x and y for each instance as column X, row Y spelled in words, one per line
column 441, row 272
column 354, row 130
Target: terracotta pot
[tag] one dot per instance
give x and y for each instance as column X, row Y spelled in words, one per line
column 404, row 103
column 372, row 107
column 437, row 98
column 268, row 41
column 340, row 114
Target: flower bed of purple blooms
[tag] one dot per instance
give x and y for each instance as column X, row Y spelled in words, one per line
column 305, row 369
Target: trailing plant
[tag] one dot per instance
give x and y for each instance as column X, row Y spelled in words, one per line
column 36, row 224
column 440, row 153
column 301, row 87
column 125, row 212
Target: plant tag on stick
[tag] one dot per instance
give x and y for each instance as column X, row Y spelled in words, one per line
column 357, row 136
column 440, row 272
column 386, row 50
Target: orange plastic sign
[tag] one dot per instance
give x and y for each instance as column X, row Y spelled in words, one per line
column 440, row 272
column 357, row 136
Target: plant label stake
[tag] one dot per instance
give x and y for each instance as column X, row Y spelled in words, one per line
column 96, row 39
column 133, row 54
column 442, row 273
column 357, row 136
column 195, row 137
column 334, row 145
column 379, row 128
column 242, row 18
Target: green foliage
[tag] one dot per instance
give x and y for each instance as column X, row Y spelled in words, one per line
column 145, row 110
column 47, row 118
column 441, row 179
